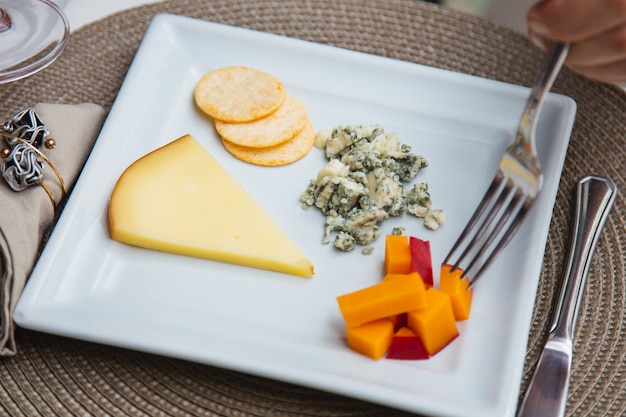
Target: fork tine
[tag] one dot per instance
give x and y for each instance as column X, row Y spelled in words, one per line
column 500, row 199
column 515, row 224
column 484, row 203
column 512, row 207
column 501, row 203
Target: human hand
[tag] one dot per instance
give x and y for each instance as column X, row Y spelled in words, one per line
column 596, row 30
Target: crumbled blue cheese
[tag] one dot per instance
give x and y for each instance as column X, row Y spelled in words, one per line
column 363, row 184
column 368, row 250
column 417, row 200
column 385, row 190
column 362, row 224
column 399, row 231
column 434, row 219
column 345, row 242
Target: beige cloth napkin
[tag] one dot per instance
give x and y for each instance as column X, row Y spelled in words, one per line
column 26, row 216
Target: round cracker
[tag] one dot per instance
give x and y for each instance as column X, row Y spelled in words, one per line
column 282, row 154
column 276, row 128
column 239, row 94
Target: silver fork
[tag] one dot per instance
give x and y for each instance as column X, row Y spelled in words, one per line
column 515, row 187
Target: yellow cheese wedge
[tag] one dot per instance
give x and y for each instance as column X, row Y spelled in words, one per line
column 179, row 199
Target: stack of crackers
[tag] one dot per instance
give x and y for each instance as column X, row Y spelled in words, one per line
column 257, row 120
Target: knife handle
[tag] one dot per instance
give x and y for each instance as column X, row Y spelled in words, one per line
column 594, row 198
column 547, row 393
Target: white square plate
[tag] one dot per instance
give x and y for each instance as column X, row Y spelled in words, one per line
column 278, row 326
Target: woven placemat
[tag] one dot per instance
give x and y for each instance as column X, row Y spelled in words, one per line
column 53, row 375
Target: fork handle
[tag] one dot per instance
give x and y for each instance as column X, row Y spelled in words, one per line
column 543, row 83
column 550, row 69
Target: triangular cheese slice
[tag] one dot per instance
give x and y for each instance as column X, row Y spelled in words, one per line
column 179, row 199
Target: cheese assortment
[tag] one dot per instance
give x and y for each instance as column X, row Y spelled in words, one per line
column 179, row 199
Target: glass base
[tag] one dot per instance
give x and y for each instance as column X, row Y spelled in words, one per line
column 33, row 33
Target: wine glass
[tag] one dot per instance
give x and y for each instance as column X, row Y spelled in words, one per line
column 33, row 34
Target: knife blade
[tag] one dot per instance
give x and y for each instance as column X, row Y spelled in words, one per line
column 546, row 395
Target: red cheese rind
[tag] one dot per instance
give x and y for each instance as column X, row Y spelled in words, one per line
column 397, row 254
column 435, row 324
column 421, row 259
column 382, row 300
column 458, row 289
column 371, row 339
column 399, row 321
column 407, row 345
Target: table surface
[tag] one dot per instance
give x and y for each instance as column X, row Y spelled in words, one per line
column 511, row 13
column 53, row 375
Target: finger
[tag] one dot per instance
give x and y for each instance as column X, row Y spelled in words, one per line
column 573, row 20
column 605, row 48
column 613, row 73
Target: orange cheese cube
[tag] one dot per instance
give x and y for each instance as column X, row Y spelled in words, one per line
column 371, row 339
column 405, row 332
column 401, row 276
column 452, row 283
column 385, row 299
column 434, row 324
column 397, row 254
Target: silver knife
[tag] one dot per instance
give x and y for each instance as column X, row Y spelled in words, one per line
column 547, row 393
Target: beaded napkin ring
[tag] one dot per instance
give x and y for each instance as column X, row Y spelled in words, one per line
column 22, row 162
